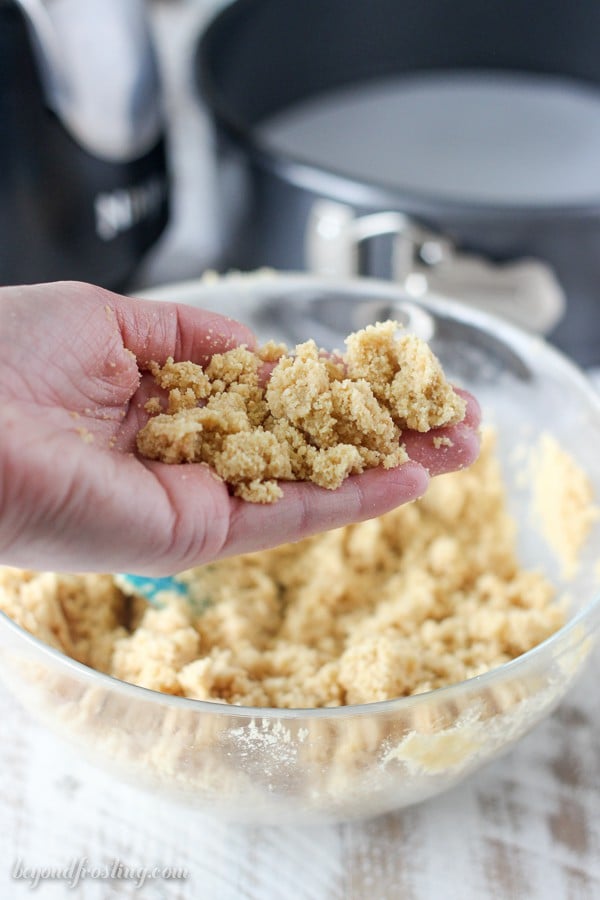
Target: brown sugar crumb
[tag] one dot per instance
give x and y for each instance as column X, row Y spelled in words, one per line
column 86, row 436
column 272, row 351
column 153, row 406
column 442, row 440
column 181, row 376
column 423, row 597
column 404, row 375
column 318, row 418
column 259, row 491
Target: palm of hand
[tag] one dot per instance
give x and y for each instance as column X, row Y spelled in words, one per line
column 73, row 494
column 71, row 403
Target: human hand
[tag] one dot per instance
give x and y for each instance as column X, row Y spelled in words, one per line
column 74, row 495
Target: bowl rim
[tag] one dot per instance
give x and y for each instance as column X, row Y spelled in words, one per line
column 515, row 338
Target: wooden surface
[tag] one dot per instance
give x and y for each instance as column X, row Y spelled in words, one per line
column 527, row 826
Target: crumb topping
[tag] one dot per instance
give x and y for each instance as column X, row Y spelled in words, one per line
column 425, row 596
column 317, row 418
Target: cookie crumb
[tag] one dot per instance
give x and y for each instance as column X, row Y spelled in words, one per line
column 430, row 594
column 318, row 418
column 272, row 351
column 86, row 436
column 562, row 501
column 153, row 406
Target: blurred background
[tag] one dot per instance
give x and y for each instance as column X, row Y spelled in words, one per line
column 104, row 145
column 451, row 147
column 192, row 240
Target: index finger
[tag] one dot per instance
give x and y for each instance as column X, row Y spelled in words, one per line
column 208, row 524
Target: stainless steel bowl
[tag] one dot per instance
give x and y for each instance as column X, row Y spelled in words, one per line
column 285, row 207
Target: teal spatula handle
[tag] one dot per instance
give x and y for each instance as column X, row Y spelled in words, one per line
column 150, row 588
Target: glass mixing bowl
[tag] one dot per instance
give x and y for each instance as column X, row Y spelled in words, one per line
column 324, row 765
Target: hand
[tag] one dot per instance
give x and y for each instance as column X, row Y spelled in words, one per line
column 73, row 494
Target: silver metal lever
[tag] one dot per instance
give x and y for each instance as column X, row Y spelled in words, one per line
column 525, row 291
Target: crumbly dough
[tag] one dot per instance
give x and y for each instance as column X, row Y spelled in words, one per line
column 563, row 502
column 425, row 596
column 317, row 418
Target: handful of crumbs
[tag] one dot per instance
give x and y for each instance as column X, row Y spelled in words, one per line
column 318, row 418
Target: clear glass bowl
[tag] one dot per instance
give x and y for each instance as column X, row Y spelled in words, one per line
column 323, row 765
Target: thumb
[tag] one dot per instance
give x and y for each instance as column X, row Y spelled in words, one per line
column 154, row 330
